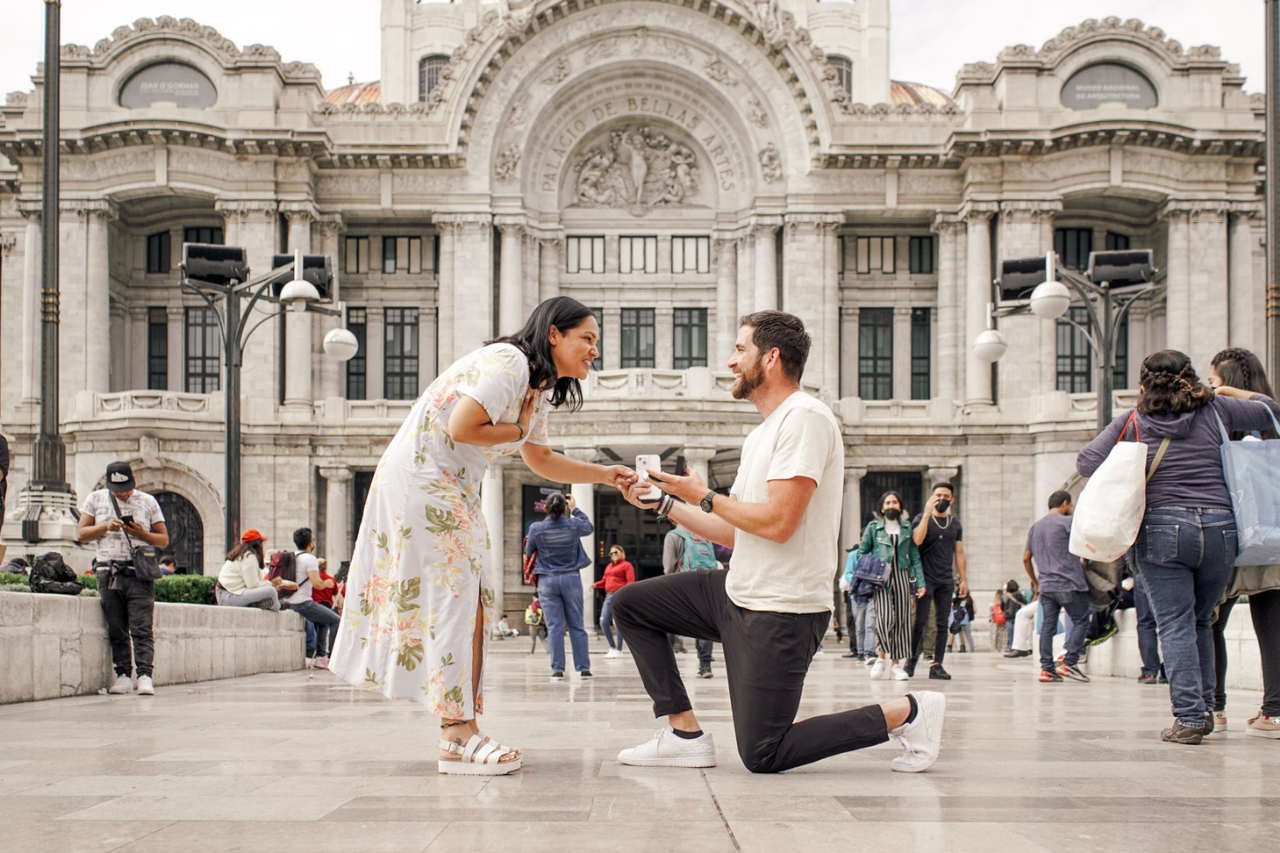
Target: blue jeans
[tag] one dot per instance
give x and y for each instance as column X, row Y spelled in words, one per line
column 612, row 634
column 561, row 599
column 864, row 625
column 323, row 618
column 1184, row 562
column 1148, row 642
column 1051, row 605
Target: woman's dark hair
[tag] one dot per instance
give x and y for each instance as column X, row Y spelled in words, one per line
column 556, row 506
column 1239, row 368
column 886, row 496
column 1011, row 586
column 534, row 340
column 1170, row 385
column 254, row 548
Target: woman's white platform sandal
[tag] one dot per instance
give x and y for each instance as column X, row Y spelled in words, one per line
column 480, row 756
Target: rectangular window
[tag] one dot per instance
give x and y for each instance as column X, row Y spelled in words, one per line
column 921, row 255
column 921, row 346
column 358, row 364
column 1120, row 376
column 690, row 343
column 690, row 254
column 1075, row 361
column 401, row 254
column 637, row 337
column 356, row 255
column 637, row 254
column 1117, row 242
column 202, row 234
column 584, row 254
column 204, row 350
column 875, row 255
column 875, row 353
column 157, row 349
column 401, row 359
column 1073, row 246
column 598, row 364
column 158, row 253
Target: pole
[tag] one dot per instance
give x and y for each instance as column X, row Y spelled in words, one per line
column 233, row 326
column 50, row 462
column 1107, row 345
column 1273, row 190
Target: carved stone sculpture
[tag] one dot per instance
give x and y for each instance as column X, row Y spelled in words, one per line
column 770, row 164
column 508, row 162
column 637, row 168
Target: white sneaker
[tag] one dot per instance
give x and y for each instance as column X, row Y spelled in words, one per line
column 898, row 673
column 145, row 687
column 613, row 653
column 123, row 685
column 921, row 737
column 666, row 750
column 877, row 669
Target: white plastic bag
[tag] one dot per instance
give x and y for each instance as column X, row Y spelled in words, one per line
column 1110, row 509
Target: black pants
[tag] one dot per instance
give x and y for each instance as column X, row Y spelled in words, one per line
column 1264, row 607
column 766, row 657
column 940, row 594
column 128, row 611
column 1220, row 653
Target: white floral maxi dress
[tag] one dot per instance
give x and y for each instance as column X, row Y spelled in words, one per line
column 422, row 558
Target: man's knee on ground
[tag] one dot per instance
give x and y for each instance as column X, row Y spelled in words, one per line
column 761, row 759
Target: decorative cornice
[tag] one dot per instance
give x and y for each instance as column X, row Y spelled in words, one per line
column 305, row 211
column 1194, row 208
column 7, row 242
column 945, row 222
column 459, row 223
column 978, row 211
column 1032, row 209
column 511, row 221
column 245, row 209
column 101, row 208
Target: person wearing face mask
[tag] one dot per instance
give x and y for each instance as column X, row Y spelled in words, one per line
column 890, row 540
column 938, row 536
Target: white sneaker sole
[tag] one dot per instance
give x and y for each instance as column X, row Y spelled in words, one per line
column 1263, row 733
column 933, row 709
column 146, row 691
column 691, row 761
column 466, row 768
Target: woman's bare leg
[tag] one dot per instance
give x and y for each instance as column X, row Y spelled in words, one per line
column 460, row 731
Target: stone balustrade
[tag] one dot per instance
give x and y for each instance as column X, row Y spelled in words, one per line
column 164, row 408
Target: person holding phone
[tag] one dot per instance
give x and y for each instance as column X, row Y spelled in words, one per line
column 557, row 539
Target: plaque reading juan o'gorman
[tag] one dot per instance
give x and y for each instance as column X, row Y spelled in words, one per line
column 1108, row 82
column 171, row 82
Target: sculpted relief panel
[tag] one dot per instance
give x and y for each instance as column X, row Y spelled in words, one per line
column 637, row 166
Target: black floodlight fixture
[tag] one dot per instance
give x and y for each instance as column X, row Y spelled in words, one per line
column 316, row 269
column 207, row 263
column 1119, row 268
column 1018, row 277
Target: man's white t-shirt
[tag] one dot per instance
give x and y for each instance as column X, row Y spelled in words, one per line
column 114, row 546
column 304, row 562
column 799, row 439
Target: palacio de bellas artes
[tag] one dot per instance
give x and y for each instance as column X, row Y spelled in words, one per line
column 672, row 164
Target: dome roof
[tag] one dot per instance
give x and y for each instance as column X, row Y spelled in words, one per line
column 902, row 92
column 355, row 93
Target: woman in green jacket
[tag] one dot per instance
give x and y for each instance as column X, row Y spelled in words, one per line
column 888, row 539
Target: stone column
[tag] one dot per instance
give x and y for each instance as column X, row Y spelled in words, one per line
column 766, row 267
column 828, row 228
column 1211, row 300
column 1245, row 302
column 612, row 334
column 663, row 336
column 137, row 374
column 510, row 269
column 902, row 352
column 948, row 354
column 492, row 505
column 851, row 514
column 375, row 346
column 584, row 494
column 550, row 265
column 472, row 303
column 978, row 391
column 337, row 539
column 698, row 460
column 746, row 274
column 253, row 225
column 329, row 373
column 97, row 352
column 1178, row 292
column 726, row 333
column 31, row 304
column 299, row 391
column 444, row 290
column 849, row 352
column 176, row 328
column 812, row 290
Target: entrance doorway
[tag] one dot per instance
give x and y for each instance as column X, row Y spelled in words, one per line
column 909, row 484
column 186, row 532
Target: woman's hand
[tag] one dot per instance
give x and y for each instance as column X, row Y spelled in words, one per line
column 920, row 592
column 526, row 410
column 1228, row 391
column 569, row 503
column 618, row 476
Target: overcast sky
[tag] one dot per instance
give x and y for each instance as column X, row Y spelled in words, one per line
column 930, row 39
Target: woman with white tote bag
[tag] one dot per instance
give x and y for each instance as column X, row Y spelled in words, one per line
column 1187, row 541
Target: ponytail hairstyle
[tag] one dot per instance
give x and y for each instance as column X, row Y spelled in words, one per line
column 1170, row 385
column 534, row 340
column 1240, row 368
column 556, row 506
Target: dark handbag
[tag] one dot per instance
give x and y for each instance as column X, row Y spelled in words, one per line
column 146, row 558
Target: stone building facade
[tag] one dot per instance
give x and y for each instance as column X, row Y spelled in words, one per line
column 673, row 164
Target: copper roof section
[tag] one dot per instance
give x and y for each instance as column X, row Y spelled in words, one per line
column 355, row 93
column 902, row 92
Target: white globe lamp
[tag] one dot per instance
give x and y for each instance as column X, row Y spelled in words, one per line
column 1050, row 300
column 341, row 344
column 298, row 293
column 990, row 345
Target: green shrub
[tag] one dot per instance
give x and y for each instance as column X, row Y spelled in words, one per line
column 12, row 578
column 90, row 581
column 184, row 589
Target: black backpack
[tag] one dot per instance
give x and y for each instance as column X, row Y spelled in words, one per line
column 50, row 574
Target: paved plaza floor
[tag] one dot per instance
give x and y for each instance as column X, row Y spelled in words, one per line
column 302, row 762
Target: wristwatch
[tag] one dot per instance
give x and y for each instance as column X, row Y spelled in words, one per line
column 708, row 502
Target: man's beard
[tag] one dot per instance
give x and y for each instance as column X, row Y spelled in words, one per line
column 748, row 381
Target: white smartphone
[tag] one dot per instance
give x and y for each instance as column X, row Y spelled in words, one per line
column 644, row 462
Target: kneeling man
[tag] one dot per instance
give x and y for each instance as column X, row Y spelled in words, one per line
column 770, row 610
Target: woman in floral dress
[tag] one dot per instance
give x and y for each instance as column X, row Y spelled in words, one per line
column 421, row 587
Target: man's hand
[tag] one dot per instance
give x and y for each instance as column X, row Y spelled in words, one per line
column 931, row 505
column 133, row 528
column 964, row 589
column 690, row 488
column 114, row 525
column 633, row 495
column 920, row 592
column 569, row 503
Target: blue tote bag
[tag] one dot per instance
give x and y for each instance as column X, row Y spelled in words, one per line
column 1252, row 471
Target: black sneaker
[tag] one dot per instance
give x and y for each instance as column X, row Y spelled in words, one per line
column 910, row 666
column 1147, row 679
column 851, row 655
column 1178, row 733
column 936, row 671
column 1160, row 679
column 1017, row 653
column 586, row 673
column 1073, row 672
column 704, row 672
column 557, row 676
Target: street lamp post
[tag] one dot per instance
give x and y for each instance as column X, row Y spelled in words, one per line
column 1106, row 305
column 218, row 274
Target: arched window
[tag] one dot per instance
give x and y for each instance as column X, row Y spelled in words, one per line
column 844, row 72
column 429, row 68
column 186, row 532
